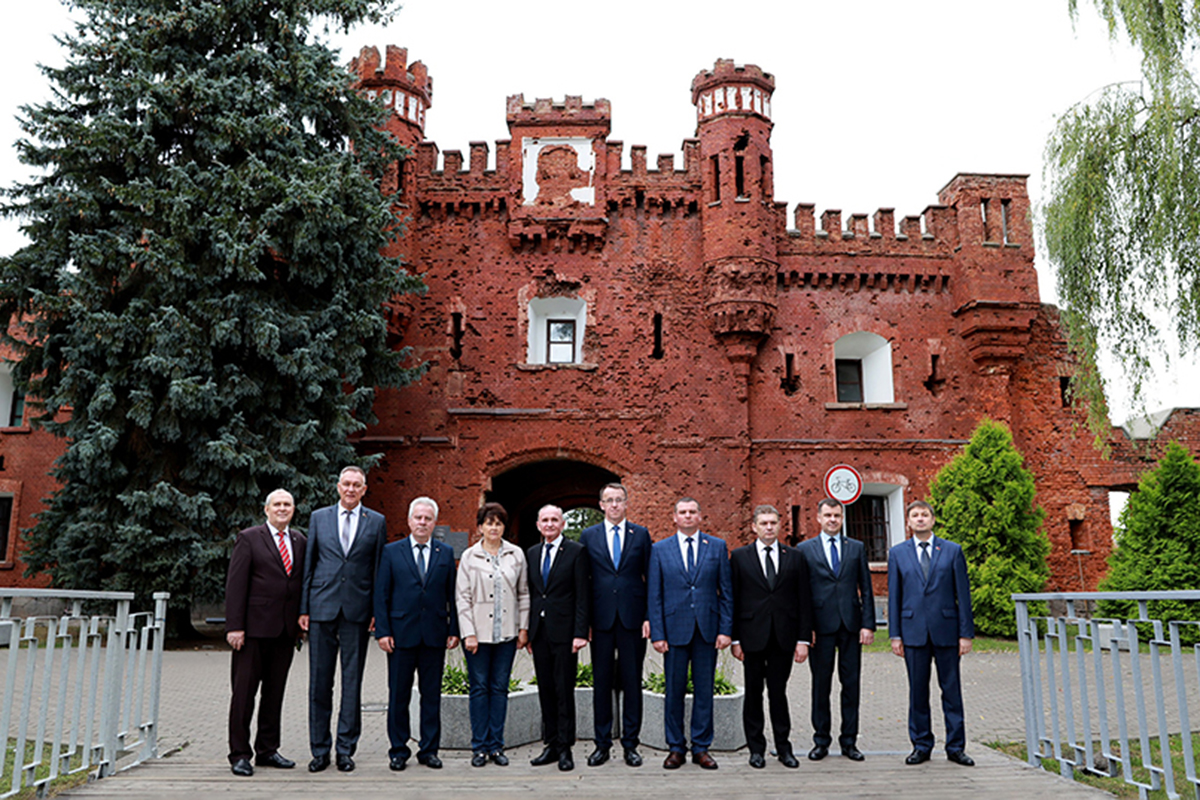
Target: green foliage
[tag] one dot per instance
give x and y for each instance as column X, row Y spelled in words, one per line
column 1158, row 542
column 1122, row 215
column 984, row 501
column 200, row 309
column 578, row 519
column 657, row 682
column 456, row 680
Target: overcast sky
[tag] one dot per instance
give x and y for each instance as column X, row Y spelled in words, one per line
column 878, row 103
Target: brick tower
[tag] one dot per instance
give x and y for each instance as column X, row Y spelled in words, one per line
column 741, row 226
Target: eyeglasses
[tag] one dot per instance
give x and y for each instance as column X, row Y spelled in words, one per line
column 613, row 501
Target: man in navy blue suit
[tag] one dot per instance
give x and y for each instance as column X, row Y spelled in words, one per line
column 930, row 622
column 690, row 606
column 415, row 623
column 344, row 545
column 620, row 556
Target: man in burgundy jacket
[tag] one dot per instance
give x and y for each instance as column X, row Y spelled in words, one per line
column 262, row 625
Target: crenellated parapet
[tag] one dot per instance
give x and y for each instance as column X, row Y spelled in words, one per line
column 405, row 88
column 731, row 89
column 572, row 111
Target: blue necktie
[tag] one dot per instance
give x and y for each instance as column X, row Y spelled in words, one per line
column 546, row 565
column 834, row 561
column 616, row 546
column 421, row 561
column 691, row 557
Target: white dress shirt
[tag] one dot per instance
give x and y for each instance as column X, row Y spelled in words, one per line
column 287, row 541
column 608, row 537
column 826, row 541
column 683, row 548
column 355, row 515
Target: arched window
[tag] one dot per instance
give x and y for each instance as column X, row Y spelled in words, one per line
column 863, row 368
column 556, row 330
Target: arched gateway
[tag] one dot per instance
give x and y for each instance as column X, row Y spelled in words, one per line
column 563, row 482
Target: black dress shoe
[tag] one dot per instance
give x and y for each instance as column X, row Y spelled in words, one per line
column 788, row 759
column 565, row 762
column 397, row 763
column 705, row 760
column 757, row 761
column 431, row 761
column 499, row 759
column 674, row 760
column 242, row 768
column 959, row 757
column 818, row 752
column 598, row 757
column 479, row 759
column 318, row 763
column 853, row 753
column 345, row 763
column 632, row 758
column 274, row 760
column 548, row 756
column 917, row 756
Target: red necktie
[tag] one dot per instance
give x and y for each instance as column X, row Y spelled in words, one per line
column 283, row 553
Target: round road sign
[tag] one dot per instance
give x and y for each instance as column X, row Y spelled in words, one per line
column 843, row 483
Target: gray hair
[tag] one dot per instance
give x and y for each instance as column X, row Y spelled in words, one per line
column 353, row 468
column 271, row 496
column 423, row 501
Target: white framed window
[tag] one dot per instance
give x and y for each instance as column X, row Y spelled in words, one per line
column 556, row 327
column 877, row 519
column 12, row 403
column 863, row 368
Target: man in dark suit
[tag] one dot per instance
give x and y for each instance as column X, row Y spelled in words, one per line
column 345, row 543
column 415, row 623
column 619, row 552
column 930, row 621
column 843, row 607
column 262, row 613
column 560, row 596
column 772, row 625
column 690, row 606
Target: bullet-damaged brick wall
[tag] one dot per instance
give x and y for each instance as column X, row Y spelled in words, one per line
column 708, row 323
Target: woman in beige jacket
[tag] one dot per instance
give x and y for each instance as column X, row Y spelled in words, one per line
column 493, row 619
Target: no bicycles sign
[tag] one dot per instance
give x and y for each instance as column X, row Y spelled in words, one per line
column 843, row 483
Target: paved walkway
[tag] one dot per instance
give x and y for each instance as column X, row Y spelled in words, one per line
column 195, row 694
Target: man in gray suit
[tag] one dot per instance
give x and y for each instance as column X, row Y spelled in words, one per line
column 843, row 608
column 345, row 544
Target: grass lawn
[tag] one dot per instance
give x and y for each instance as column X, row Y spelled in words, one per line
column 1117, row 785
column 983, row 644
column 59, row 784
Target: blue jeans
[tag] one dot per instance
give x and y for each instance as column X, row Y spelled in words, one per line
column 488, row 669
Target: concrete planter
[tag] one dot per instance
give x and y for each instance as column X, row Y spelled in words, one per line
column 522, row 725
column 728, row 732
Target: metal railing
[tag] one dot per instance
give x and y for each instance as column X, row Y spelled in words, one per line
column 80, row 689
column 1083, row 679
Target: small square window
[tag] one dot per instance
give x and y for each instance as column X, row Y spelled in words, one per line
column 560, row 341
column 849, row 380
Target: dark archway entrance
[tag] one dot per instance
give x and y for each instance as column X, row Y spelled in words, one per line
column 525, row 489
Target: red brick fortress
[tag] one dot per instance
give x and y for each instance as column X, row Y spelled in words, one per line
column 590, row 318
column 676, row 328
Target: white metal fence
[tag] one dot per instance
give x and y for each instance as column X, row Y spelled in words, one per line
column 1095, row 703
column 81, row 688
